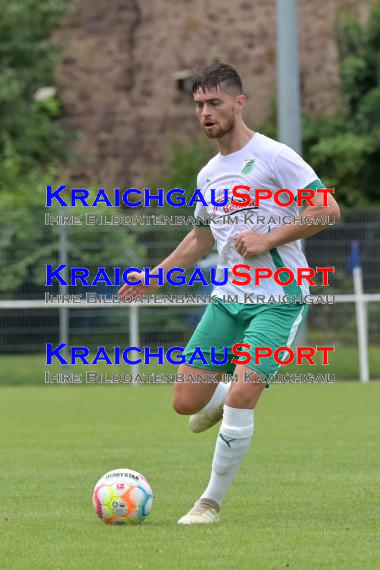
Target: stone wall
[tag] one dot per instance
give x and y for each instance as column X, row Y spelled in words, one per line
column 116, row 75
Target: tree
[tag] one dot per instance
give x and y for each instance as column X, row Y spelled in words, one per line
column 344, row 149
column 33, row 145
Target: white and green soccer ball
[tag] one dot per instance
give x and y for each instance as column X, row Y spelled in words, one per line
column 122, row 496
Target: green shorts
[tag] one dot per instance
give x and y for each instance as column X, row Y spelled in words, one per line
column 225, row 324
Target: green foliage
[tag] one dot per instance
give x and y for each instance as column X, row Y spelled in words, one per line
column 31, row 139
column 32, row 148
column 344, row 149
column 29, row 134
column 27, row 244
column 183, row 162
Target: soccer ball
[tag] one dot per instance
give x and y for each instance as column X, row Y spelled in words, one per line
column 122, row 496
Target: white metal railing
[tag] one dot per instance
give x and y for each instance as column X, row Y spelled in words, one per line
column 360, row 300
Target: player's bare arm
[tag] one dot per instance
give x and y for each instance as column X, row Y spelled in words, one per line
column 249, row 244
column 192, row 248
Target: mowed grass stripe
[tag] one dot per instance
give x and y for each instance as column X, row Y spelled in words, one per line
column 30, row 369
column 306, row 496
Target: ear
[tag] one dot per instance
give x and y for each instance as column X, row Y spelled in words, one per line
column 240, row 101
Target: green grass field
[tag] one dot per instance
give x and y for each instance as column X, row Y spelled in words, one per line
column 30, row 369
column 307, row 495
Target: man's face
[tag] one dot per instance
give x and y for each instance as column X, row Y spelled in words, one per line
column 216, row 111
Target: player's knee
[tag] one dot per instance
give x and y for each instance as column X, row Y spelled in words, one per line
column 183, row 406
column 238, row 400
column 244, row 399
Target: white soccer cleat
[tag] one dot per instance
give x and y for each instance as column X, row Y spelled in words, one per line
column 204, row 511
column 204, row 420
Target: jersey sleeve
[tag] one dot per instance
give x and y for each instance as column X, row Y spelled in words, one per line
column 292, row 172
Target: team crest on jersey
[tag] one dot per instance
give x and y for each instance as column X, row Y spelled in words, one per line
column 248, row 166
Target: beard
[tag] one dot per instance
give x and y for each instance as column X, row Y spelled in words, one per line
column 221, row 130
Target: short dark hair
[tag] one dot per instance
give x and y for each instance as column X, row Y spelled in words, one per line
column 217, row 75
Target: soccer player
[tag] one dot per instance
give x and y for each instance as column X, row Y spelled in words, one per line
column 251, row 159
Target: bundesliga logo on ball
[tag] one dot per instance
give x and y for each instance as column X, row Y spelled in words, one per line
column 122, row 496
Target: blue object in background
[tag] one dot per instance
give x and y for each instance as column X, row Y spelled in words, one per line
column 354, row 260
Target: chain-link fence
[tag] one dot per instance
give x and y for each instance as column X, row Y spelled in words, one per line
column 23, row 259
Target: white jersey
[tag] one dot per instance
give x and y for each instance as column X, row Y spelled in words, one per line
column 261, row 163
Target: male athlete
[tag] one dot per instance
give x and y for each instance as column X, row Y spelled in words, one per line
column 251, row 159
